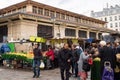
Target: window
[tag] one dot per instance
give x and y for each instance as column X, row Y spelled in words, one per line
column 46, row 13
column 83, row 21
column 119, row 17
column 76, row 19
column 105, row 19
column 110, row 18
column 70, row 32
column 92, row 35
column 67, row 17
column 82, row 34
column 115, row 18
column 106, row 25
column 71, row 18
column 58, row 15
column 100, row 35
column 24, row 9
column 62, row 16
column 34, row 9
column 40, row 11
column 79, row 20
column 44, row 31
column 52, row 14
column 111, row 25
column 116, row 25
column 14, row 11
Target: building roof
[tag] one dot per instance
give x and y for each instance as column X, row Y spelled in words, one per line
column 32, row 17
column 24, row 3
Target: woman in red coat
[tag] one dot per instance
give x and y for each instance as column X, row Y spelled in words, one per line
column 50, row 55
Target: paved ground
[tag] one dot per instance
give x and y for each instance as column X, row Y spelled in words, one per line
column 11, row 74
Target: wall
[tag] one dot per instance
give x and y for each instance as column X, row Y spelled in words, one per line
column 21, row 29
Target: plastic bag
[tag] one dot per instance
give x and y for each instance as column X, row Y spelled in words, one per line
column 42, row 65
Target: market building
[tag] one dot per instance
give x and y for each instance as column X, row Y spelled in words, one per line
column 30, row 18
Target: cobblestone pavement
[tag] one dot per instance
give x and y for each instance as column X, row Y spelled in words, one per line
column 11, row 74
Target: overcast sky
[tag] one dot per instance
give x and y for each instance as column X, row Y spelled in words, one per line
column 77, row 6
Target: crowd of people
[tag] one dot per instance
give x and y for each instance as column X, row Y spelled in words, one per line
column 74, row 61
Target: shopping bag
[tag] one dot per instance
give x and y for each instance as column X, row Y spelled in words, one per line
column 117, row 70
column 108, row 72
column 42, row 65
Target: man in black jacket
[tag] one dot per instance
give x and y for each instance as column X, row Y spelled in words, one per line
column 36, row 61
column 106, row 54
column 76, row 54
column 65, row 57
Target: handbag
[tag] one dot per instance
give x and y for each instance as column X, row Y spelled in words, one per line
column 86, row 66
column 108, row 73
column 117, row 70
column 42, row 65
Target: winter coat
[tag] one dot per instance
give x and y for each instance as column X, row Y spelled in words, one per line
column 76, row 55
column 107, row 54
column 50, row 54
column 80, row 62
column 63, row 56
column 37, row 54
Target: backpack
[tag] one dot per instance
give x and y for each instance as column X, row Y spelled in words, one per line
column 86, row 66
column 108, row 73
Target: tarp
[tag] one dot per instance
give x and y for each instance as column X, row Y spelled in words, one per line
column 12, row 47
column 5, row 48
column 89, row 40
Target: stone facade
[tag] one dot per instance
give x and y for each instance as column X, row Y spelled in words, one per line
column 21, row 30
column 111, row 15
column 22, row 21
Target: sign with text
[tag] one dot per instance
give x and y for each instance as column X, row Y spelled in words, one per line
column 37, row 39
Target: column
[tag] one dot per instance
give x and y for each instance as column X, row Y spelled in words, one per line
column 97, row 35
column 77, row 30
column 88, row 34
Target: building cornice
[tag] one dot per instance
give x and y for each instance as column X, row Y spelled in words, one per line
column 33, row 3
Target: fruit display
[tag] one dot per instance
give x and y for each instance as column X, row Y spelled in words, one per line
column 27, row 57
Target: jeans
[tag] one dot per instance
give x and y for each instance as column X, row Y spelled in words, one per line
column 36, row 67
column 76, row 69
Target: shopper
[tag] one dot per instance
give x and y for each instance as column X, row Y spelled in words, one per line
column 76, row 54
column 50, row 55
column 36, row 61
column 81, row 72
column 56, row 52
column 116, row 50
column 106, row 55
column 65, row 58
